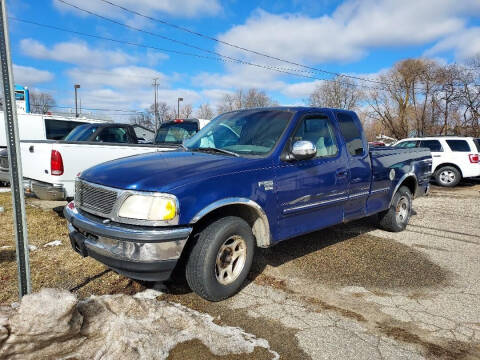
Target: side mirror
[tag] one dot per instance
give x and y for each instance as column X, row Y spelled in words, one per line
column 303, row 149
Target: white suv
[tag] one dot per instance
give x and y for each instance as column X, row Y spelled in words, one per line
column 454, row 157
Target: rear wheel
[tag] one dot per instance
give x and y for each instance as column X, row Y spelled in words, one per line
column 221, row 258
column 448, row 176
column 396, row 218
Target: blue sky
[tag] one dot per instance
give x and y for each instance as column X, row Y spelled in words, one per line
column 360, row 37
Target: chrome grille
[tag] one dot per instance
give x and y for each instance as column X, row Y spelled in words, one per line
column 94, row 198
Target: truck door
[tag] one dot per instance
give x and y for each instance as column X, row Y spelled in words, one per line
column 358, row 163
column 311, row 193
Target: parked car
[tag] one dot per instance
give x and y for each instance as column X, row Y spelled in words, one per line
column 376, row 143
column 38, row 127
column 50, row 167
column 454, row 157
column 249, row 179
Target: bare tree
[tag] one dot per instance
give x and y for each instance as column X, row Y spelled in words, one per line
column 41, row 102
column 186, row 111
column 340, row 93
column 144, row 119
column 205, row 112
column 241, row 99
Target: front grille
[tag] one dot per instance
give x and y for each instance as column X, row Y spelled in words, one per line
column 95, row 199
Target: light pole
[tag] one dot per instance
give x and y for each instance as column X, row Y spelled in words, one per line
column 178, row 107
column 76, row 87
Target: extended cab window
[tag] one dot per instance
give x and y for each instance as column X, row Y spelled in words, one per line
column 433, row 145
column 59, row 129
column 351, row 133
column 113, row 135
column 458, row 145
column 319, row 131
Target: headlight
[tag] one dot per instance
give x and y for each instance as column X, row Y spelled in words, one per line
column 148, row 207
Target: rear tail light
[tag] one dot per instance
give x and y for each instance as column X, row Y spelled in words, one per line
column 56, row 163
column 474, row 158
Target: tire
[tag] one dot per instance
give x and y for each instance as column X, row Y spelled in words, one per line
column 396, row 218
column 448, row 176
column 210, row 270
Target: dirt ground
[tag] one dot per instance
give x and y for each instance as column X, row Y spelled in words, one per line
column 349, row 292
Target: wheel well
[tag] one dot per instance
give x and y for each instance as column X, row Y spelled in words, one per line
column 259, row 224
column 410, row 183
column 448, row 164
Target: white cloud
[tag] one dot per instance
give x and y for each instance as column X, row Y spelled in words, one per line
column 29, row 76
column 465, row 44
column 127, row 77
column 351, row 31
column 75, row 52
column 184, row 8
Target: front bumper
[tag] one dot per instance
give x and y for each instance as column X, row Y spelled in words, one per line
column 142, row 253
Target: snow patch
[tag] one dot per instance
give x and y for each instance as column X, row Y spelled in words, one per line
column 32, row 247
column 53, row 243
column 148, row 294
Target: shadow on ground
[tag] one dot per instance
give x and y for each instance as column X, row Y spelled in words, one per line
column 344, row 255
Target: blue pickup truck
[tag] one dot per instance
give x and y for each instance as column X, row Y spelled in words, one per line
column 249, row 179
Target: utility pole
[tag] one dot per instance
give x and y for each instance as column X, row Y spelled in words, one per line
column 76, row 87
column 16, row 176
column 155, row 112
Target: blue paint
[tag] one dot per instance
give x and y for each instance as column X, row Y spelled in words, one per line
column 307, row 195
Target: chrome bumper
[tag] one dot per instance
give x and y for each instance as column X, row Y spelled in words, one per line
column 44, row 191
column 137, row 252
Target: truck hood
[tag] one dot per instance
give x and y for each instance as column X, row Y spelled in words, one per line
column 164, row 170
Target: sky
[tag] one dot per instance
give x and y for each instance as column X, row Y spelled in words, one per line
column 356, row 37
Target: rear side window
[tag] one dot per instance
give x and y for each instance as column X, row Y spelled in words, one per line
column 459, row 145
column 433, row 145
column 351, row 133
column 59, row 129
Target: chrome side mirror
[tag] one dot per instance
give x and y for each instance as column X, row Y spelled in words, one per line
column 303, row 149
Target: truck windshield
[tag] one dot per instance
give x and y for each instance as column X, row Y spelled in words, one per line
column 253, row 132
column 176, row 132
column 81, row 133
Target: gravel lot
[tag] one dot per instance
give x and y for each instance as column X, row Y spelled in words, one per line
column 350, row 292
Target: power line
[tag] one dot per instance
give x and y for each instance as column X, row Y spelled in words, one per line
column 132, row 111
column 182, row 28
column 298, row 72
column 283, row 70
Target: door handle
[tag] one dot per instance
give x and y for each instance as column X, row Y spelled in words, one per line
column 436, row 155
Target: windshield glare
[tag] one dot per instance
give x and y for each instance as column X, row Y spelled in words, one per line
column 81, row 133
column 242, row 132
column 175, row 133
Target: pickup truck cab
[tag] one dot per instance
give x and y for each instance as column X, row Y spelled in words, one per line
column 454, row 157
column 249, row 179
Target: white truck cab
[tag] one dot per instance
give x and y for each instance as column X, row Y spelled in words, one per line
column 454, row 157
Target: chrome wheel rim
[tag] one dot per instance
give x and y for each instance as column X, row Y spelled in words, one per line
column 402, row 210
column 447, row 176
column 231, row 259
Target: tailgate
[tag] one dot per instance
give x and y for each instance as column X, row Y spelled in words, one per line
column 36, row 158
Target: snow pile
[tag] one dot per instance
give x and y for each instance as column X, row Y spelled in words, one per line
column 54, row 324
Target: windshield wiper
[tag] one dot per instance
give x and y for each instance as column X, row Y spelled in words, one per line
column 214, row 149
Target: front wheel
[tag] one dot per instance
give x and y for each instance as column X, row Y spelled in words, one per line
column 221, row 258
column 396, row 218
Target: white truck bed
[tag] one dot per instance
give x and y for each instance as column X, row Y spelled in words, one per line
column 76, row 156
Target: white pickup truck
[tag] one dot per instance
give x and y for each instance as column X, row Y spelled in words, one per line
column 50, row 167
column 38, row 127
